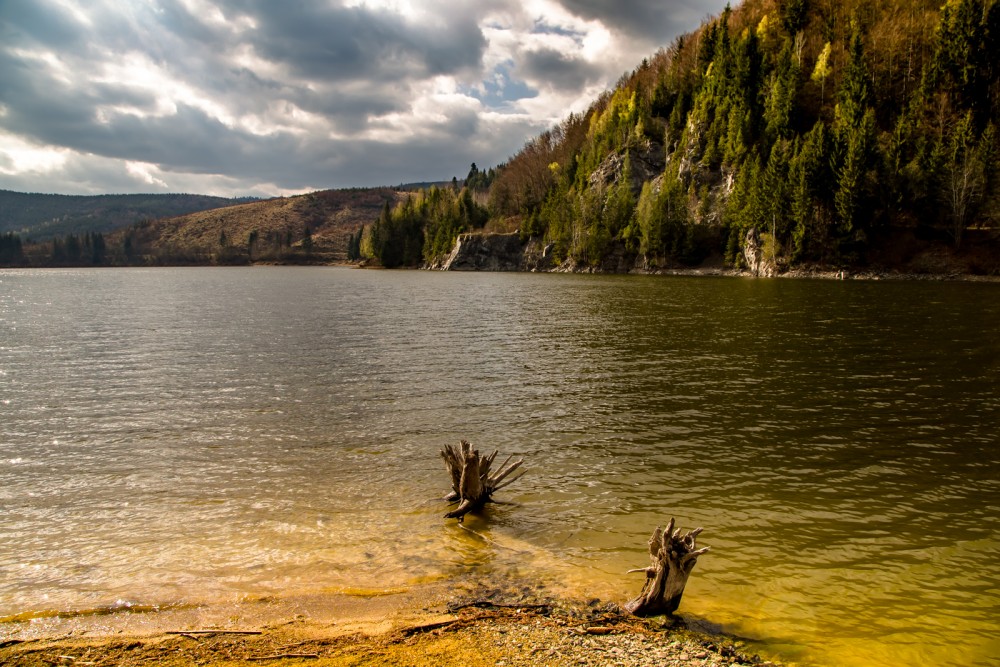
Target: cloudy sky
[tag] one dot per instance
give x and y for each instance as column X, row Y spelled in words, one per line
column 267, row 97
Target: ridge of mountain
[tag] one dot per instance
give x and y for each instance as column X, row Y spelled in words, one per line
column 41, row 216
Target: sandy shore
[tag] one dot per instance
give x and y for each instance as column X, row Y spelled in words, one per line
column 430, row 626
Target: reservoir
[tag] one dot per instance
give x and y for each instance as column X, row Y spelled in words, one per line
column 199, row 435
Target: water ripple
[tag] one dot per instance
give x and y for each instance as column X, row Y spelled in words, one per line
column 199, row 434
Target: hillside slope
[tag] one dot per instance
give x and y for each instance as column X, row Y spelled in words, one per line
column 307, row 228
column 782, row 134
column 44, row 216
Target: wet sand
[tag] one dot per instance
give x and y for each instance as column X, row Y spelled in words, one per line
column 432, row 625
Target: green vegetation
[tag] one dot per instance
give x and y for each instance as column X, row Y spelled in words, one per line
column 838, row 133
column 423, row 227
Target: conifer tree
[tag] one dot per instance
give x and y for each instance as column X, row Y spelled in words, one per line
column 780, row 100
column 852, row 179
column 649, row 222
column 855, row 95
column 808, row 175
column 793, row 15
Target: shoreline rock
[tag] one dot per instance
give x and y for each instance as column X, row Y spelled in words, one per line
column 476, row 251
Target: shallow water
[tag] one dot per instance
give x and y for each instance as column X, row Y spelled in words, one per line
column 175, row 436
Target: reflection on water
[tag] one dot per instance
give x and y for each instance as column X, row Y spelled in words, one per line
column 194, row 435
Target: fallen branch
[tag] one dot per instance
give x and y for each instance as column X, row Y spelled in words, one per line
column 213, row 632
column 428, row 627
column 486, row 604
column 282, row 656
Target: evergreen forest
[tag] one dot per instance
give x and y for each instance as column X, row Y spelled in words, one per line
column 821, row 132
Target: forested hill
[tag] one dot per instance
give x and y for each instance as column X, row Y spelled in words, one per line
column 781, row 133
column 319, row 227
column 43, row 216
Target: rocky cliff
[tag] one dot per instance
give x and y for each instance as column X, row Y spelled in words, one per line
column 497, row 252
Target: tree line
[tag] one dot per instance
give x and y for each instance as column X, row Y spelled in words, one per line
column 794, row 125
column 139, row 246
column 827, row 129
column 423, row 227
column 89, row 249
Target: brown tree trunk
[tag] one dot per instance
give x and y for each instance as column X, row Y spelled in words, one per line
column 471, row 482
column 672, row 557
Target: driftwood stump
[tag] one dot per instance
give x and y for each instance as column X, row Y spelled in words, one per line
column 672, row 557
column 472, row 483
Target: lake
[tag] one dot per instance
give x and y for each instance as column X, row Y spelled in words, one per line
column 196, row 435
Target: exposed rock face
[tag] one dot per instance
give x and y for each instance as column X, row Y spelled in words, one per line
column 537, row 256
column 497, row 252
column 645, row 163
column 753, row 253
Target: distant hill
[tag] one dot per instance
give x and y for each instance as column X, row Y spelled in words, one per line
column 424, row 185
column 306, row 229
column 44, row 216
column 311, row 228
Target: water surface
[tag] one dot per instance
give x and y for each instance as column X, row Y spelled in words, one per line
column 198, row 435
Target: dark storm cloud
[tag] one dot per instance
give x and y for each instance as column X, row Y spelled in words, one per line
column 111, row 93
column 37, row 22
column 558, row 69
column 315, row 45
column 656, row 20
column 35, row 104
column 289, row 95
column 329, row 43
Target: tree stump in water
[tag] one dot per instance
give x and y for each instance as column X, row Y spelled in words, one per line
column 471, row 481
column 672, row 557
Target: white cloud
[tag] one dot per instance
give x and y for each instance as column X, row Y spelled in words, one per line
column 144, row 171
column 76, row 11
column 255, row 97
column 20, row 156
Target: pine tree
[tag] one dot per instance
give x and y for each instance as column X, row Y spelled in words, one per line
column 855, row 96
column 620, row 204
column 775, row 192
column 852, row 180
column 794, row 14
column 808, row 174
column 99, row 249
column 779, row 104
column 649, row 220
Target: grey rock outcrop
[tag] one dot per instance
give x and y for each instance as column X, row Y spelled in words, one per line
column 646, row 162
column 498, row 252
column 754, row 255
